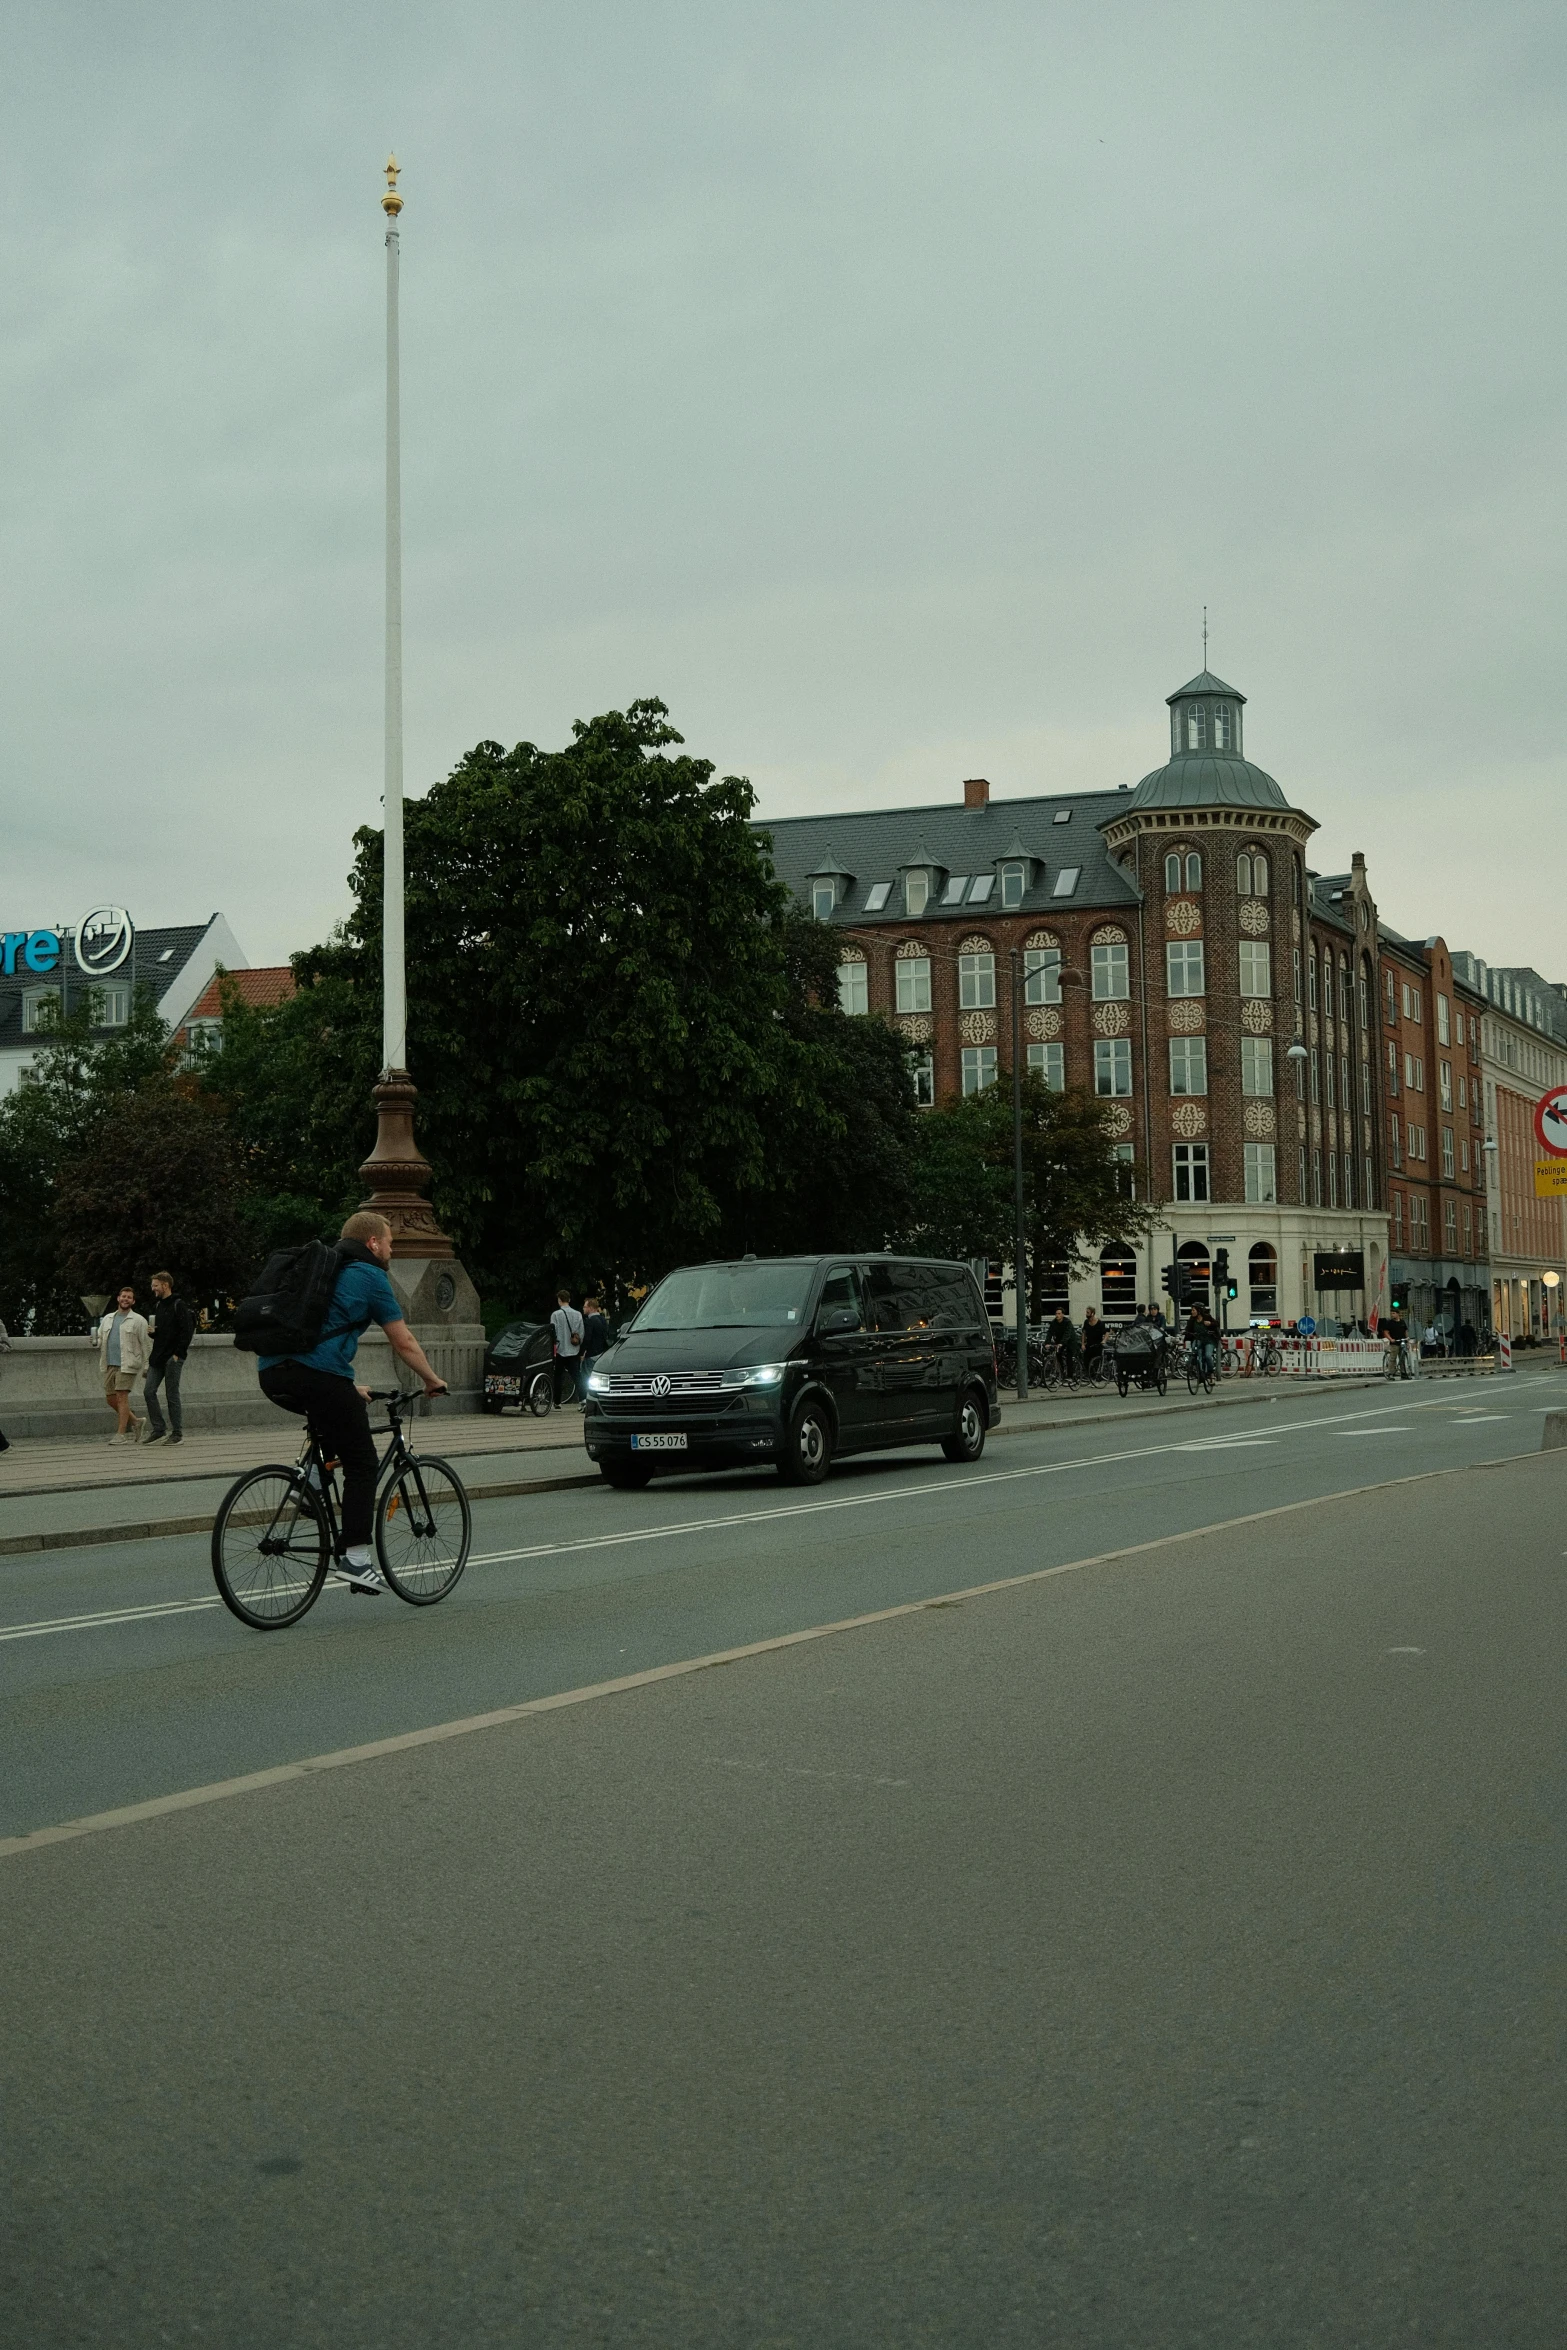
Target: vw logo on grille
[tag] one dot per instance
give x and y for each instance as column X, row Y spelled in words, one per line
column 661, row 1383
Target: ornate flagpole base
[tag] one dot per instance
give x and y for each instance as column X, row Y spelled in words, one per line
column 439, row 1302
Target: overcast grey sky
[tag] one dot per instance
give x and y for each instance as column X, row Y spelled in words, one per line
column 887, row 386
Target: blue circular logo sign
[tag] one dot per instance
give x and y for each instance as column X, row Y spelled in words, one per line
column 1307, row 1326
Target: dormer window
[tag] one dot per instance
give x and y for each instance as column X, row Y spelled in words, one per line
column 1012, row 881
column 824, row 896
column 916, row 892
column 1223, row 727
column 1196, row 726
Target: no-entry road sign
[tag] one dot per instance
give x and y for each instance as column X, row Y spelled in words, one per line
column 1550, row 1121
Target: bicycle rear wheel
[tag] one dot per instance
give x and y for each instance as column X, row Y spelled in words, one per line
column 269, row 1548
column 423, row 1529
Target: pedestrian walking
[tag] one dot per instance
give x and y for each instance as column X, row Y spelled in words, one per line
column 1093, row 1343
column 173, row 1328
column 5, row 1348
column 124, row 1352
column 567, row 1325
column 595, row 1335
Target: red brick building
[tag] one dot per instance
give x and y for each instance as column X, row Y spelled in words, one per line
column 1433, row 1092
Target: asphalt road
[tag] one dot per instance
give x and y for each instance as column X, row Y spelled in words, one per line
column 1164, row 1952
column 124, row 1679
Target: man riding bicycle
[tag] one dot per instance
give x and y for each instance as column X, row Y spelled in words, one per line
column 320, row 1385
column 1202, row 1333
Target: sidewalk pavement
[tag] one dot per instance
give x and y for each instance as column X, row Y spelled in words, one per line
column 58, row 1492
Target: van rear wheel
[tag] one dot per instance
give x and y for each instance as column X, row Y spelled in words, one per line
column 807, row 1453
column 968, row 1440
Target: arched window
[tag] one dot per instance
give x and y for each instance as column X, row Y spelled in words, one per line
column 1327, row 986
column 1172, row 870
column 1196, row 727
column 1345, row 1002
column 1295, row 879
column 1259, row 874
column 977, row 981
column 1117, row 1282
column 1243, row 875
column 1223, row 727
column 1193, row 870
column 1311, row 979
column 1194, row 1256
column 1262, row 1267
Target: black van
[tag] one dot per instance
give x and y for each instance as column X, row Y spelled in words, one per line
column 794, row 1360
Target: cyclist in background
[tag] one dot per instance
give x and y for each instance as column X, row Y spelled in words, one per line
column 1093, row 1344
column 1396, row 1331
column 1202, row 1332
column 320, row 1385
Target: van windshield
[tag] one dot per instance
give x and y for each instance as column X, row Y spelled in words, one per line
column 728, row 1297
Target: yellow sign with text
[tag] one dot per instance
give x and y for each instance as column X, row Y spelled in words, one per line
column 1550, row 1178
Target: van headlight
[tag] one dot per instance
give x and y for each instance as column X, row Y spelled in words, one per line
column 598, row 1383
column 764, row 1375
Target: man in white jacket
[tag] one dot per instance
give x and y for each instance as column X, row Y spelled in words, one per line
column 124, row 1351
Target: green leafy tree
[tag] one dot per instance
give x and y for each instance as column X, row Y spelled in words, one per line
column 47, row 1123
column 1076, row 1197
column 625, row 1035
column 156, row 1182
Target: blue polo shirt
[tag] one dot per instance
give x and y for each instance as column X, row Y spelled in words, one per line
column 363, row 1295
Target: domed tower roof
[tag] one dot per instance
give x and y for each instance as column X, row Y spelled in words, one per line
column 1205, row 768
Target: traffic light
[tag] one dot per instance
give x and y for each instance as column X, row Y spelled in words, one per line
column 1176, row 1283
column 1221, row 1274
column 1398, row 1299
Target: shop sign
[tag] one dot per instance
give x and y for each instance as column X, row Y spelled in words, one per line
column 100, row 944
column 1339, row 1268
column 1550, row 1178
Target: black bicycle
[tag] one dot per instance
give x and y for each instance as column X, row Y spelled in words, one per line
column 1201, row 1365
column 279, row 1531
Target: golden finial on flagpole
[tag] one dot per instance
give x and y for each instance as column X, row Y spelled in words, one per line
column 391, row 202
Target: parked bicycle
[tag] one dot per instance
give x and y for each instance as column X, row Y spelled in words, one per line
column 278, row 1531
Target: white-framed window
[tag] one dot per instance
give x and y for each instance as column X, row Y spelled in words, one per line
column 1172, row 870
column 1442, row 1031
column 1012, row 885
column 1392, row 1066
column 203, row 1038
column 1447, row 1153
column 979, row 1067
column 1041, row 975
column 1112, row 974
column 1368, row 1195
column 1463, row 1152
column 1398, row 1219
column 1251, row 874
column 1262, row 1268
column 1256, row 967
column 1112, row 1064
column 984, row 883
column 36, row 1018
column 877, row 895
column 924, row 1072
column 1196, row 727
column 1183, row 967
column 1190, row 1170
column 1257, row 1064
column 1261, row 1171
column 1327, row 1081
column 1450, row 1225
column 916, row 892
column 1126, row 1157
column 1188, row 1064
column 824, row 896
column 112, row 1007
column 1395, row 1140
column 1365, row 1084
column 1066, row 881
column 1311, row 980
column 1316, row 1075
column 977, row 982
column 854, row 991
column 1193, row 869
column 1296, row 952
column 1316, row 1179
column 1223, row 727
column 956, row 890
column 1333, row 1179
column 1048, row 1062
column 1444, row 1084
column 1463, row 1093
column 913, row 983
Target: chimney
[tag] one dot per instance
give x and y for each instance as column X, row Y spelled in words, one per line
column 976, row 792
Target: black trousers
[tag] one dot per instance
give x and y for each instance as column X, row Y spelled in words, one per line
column 335, row 1411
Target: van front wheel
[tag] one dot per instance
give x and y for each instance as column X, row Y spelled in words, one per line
column 968, row 1442
column 807, row 1454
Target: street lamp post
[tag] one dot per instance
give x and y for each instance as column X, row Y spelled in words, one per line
column 1019, row 1272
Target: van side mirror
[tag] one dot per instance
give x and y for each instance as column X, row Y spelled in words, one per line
column 836, row 1318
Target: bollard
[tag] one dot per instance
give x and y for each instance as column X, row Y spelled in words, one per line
column 1553, row 1432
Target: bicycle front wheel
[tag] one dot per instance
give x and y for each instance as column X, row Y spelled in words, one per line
column 269, row 1548
column 423, row 1528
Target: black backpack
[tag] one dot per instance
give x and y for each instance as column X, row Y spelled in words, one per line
column 284, row 1312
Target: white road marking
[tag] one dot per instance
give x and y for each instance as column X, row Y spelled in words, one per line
column 103, row 1619
column 281, row 1774
column 1406, row 1652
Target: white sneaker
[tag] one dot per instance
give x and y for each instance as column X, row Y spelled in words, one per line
column 366, row 1579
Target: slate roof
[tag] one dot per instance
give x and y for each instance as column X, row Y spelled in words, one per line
column 1205, row 683
column 1057, row 834
column 1323, row 908
column 156, row 960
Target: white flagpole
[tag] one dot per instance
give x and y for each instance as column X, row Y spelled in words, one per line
column 394, row 985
